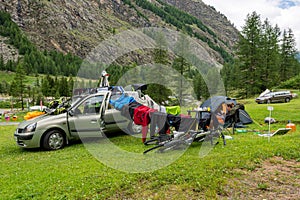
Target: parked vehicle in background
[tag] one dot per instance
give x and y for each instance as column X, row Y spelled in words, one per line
column 37, row 108
column 273, row 97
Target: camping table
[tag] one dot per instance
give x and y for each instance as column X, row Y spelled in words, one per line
column 198, row 114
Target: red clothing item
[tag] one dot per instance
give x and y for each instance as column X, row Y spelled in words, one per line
column 141, row 115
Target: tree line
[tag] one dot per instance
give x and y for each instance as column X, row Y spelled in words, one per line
column 46, row 86
column 34, row 61
column 266, row 56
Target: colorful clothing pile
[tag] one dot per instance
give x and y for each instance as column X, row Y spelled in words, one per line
column 144, row 115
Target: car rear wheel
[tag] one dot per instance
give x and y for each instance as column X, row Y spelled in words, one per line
column 287, row 100
column 54, row 140
column 133, row 128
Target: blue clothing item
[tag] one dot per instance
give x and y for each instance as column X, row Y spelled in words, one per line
column 120, row 102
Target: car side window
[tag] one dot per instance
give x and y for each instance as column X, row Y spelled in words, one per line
column 113, row 97
column 91, row 105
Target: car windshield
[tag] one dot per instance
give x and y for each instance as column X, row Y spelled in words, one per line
column 268, row 95
column 75, row 101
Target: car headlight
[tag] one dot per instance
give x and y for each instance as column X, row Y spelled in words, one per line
column 29, row 128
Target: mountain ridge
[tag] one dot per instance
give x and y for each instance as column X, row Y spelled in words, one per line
column 78, row 26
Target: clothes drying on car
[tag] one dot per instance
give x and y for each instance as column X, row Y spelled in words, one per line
column 144, row 115
column 121, row 101
column 128, row 109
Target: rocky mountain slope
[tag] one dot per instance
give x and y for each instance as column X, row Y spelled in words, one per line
column 77, row 26
column 216, row 21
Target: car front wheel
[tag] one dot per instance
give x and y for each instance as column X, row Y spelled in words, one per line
column 54, row 140
column 287, row 100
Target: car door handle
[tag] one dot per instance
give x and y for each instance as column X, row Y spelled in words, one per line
column 93, row 121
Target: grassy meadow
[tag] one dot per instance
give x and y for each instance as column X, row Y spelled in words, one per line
column 74, row 173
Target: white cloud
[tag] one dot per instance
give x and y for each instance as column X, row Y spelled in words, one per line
column 284, row 13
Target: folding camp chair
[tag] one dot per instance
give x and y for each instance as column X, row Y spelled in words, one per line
column 280, row 131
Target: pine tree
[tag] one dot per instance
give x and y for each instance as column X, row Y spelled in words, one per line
column 157, row 90
column 289, row 65
column 200, row 87
column 46, row 86
column 2, row 65
column 180, row 63
column 160, row 52
column 18, row 87
column 63, row 87
column 230, row 76
column 270, row 60
column 70, row 86
column 249, row 52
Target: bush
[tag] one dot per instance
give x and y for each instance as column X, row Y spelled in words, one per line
column 293, row 83
column 7, row 104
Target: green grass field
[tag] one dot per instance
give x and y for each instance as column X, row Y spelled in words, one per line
column 9, row 76
column 74, row 173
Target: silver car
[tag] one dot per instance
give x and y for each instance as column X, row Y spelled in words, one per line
column 89, row 116
column 272, row 97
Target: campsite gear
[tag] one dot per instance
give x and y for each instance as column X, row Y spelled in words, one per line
column 291, row 125
column 158, row 121
column 215, row 101
column 33, row 114
column 141, row 115
column 7, row 117
column 163, row 122
column 241, row 131
column 174, row 110
column 128, row 109
column 210, row 125
column 228, row 137
column 270, row 120
column 15, row 117
column 163, row 138
column 280, row 131
column 270, row 108
column 180, row 140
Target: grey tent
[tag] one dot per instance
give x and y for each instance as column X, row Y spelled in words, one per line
column 244, row 117
column 215, row 101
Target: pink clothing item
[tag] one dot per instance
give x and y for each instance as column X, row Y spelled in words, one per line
column 144, row 133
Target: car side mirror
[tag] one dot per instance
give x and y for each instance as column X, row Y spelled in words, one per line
column 71, row 113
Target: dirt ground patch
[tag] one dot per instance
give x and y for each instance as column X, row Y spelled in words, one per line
column 275, row 179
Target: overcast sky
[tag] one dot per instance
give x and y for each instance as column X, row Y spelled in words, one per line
column 284, row 13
